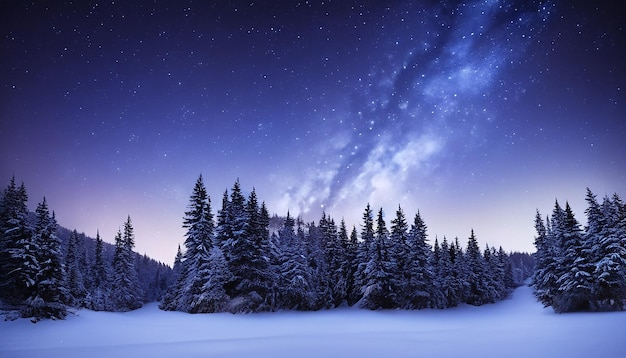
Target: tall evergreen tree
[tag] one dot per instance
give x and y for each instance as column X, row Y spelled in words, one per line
column 196, row 267
column 609, row 252
column 126, row 287
column 316, row 241
column 381, row 286
column 353, row 290
column 575, row 282
column 449, row 288
column 546, row 261
column 200, row 227
column 75, row 281
column 100, row 295
column 478, row 293
column 257, row 280
column 296, row 291
column 364, row 249
column 47, row 299
column 420, row 281
column 17, row 251
column 399, row 252
column 335, row 255
column 494, row 275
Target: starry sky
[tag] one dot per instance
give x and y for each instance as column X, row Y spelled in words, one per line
column 475, row 113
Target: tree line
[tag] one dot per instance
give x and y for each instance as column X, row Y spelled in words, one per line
column 46, row 269
column 232, row 262
column 582, row 269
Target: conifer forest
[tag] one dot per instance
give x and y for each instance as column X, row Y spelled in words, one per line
column 241, row 259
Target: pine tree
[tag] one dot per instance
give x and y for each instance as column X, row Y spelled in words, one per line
column 232, row 231
column 461, row 270
column 257, row 279
column 575, row 284
column 335, row 260
column 364, row 250
column 449, row 290
column 47, row 300
column 353, row 290
column 17, row 251
column 99, row 298
column 170, row 299
column 197, row 264
column 178, row 264
column 505, row 264
column 315, row 244
column 494, row 276
column 295, row 279
column 420, row 282
column 75, row 281
column 126, row 288
column 213, row 296
column 546, row 261
column 478, row 293
column 243, row 236
column 380, row 289
column 343, row 271
column 399, row 252
column 609, row 252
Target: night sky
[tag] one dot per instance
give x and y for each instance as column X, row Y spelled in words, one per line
column 475, row 113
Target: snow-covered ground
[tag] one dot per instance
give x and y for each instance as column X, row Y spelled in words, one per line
column 516, row 327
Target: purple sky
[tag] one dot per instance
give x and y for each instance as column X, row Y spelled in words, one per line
column 475, row 113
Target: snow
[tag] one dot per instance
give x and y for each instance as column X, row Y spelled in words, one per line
column 516, row 327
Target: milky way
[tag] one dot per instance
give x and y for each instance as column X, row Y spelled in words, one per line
column 475, row 113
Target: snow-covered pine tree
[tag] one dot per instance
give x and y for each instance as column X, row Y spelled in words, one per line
column 506, row 264
column 18, row 265
column 232, row 226
column 335, row 257
column 447, row 282
column 47, row 299
column 256, row 277
column 126, row 288
column 478, row 293
column 607, row 229
column 381, row 285
column 353, row 290
column 177, row 269
column 315, row 243
column 74, row 275
column 223, row 227
column 99, row 298
column 399, row 252
column 295, row 280
column 460, row 269
column 243, row 237
column 494, row 277
column 340, row 270
column 213, row 296
column 197, row 265
column 420, row 285
column 170, row 299
column 575, row 283
column 364, row 251
column 546, row 261
column 195, row 268
column 272, row 279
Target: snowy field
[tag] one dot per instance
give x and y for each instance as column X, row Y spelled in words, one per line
column 517, row 327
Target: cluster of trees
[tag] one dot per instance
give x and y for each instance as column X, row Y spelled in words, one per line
column 44, row 268
column 235, row 264
column 582, row 269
